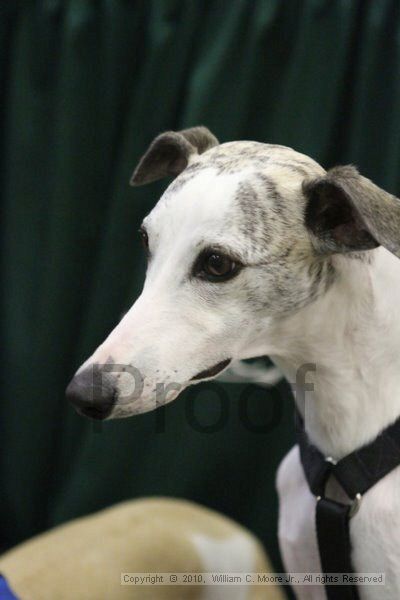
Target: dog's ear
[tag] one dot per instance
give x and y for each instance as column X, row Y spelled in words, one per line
column 169, row 153
column 346, row 212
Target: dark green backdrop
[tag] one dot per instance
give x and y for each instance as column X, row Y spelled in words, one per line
column 85, row 85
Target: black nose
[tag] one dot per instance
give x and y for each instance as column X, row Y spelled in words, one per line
column 92, row 393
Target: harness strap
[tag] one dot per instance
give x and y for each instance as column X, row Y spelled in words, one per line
column 356, row 473
column 363, row 468
column 332, row 520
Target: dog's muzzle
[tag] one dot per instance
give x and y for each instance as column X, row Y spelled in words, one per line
column 93, row 393
column 212, row 371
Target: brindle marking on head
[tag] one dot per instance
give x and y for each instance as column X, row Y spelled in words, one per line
column 231, row 157
column 261, row 210
column 278, row 207
column 250, row 208
column 267, row 218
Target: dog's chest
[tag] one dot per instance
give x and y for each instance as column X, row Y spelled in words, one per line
column 374, row 531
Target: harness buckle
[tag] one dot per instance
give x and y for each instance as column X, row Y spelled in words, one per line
column 355, row 505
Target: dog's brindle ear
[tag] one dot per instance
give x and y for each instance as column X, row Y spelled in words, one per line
column 170, row 152
column 346, row 212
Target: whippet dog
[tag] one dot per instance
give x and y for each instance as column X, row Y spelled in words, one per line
column 254, row 249
column 145, row 536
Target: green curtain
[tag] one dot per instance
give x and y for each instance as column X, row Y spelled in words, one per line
column 85, row 86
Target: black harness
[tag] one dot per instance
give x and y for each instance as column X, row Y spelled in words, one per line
column 356, row 473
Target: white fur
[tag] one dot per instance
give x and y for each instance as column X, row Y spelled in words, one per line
column 170, row 334
column 353, row 335
column 234, row 554
column 180, row 326
column 177, row 327
column 241, row 372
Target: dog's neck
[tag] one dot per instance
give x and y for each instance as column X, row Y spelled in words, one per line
column 352, row 336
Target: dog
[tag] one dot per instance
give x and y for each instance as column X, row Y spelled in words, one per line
column 137, row 537
column 255, row 249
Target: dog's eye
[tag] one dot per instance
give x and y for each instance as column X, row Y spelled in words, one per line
column 216, row 266
column 144, row 238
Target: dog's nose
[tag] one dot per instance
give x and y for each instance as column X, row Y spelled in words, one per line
column 92, row 392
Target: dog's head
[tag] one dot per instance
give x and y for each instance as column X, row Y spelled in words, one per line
column 240, row 240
